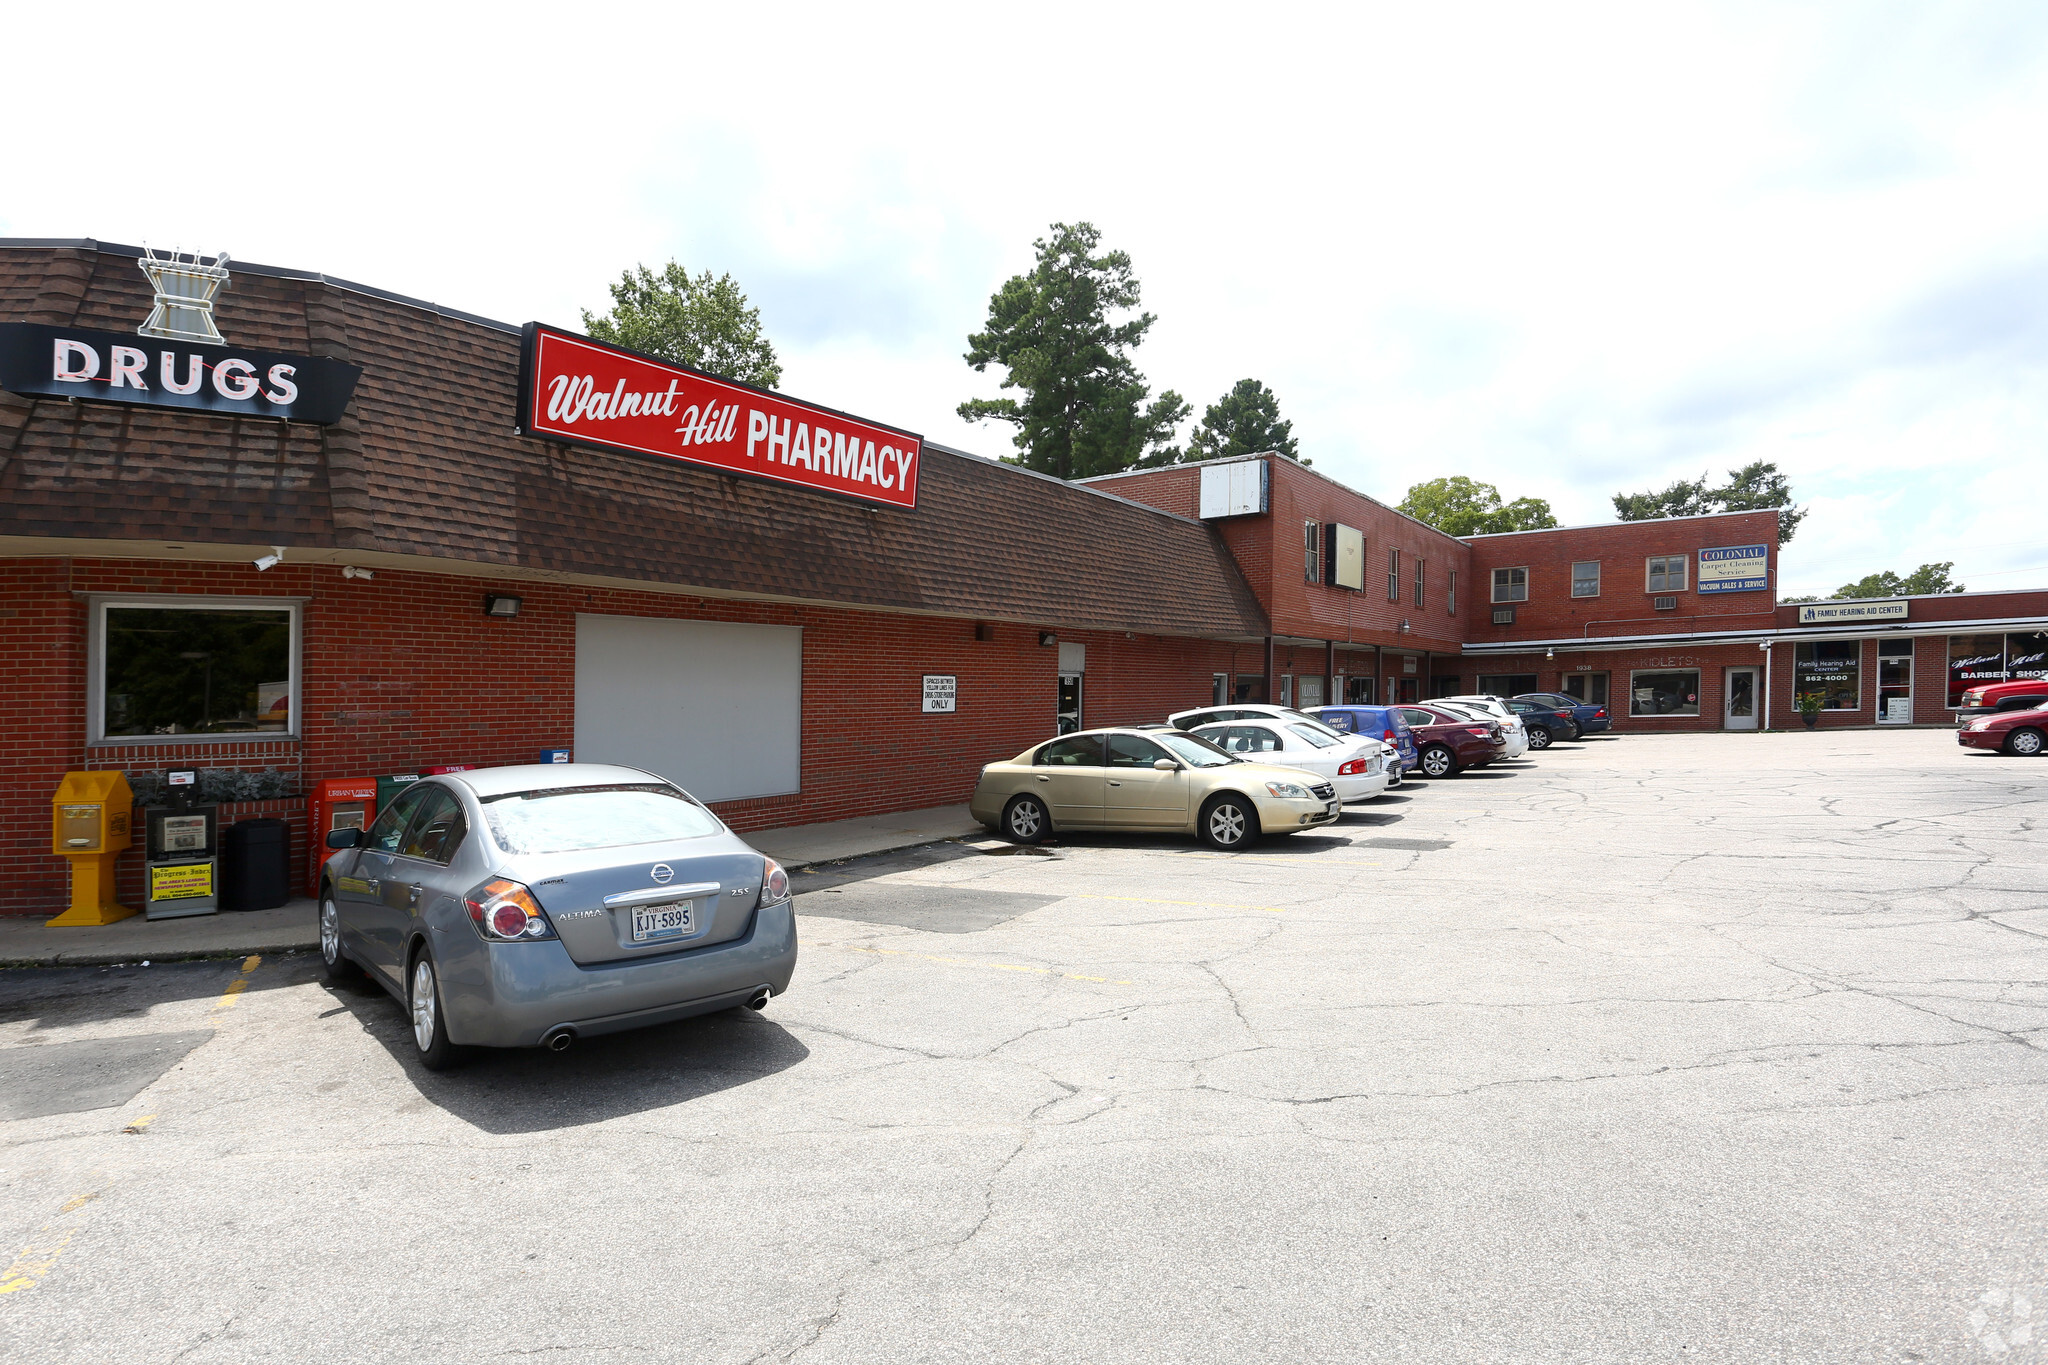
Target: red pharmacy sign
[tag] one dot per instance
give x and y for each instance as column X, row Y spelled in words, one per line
column 585, row 392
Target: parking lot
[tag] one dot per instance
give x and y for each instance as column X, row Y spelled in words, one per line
column 1690, row 1047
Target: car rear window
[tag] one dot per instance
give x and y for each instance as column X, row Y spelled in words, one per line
column 570, row 819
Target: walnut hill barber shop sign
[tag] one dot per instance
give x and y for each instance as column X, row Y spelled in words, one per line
column 587, row 393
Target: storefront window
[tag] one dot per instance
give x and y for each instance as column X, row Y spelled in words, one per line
column 2026, row 654
column 1674, row 693
column 171, row 668
column 1972, row 661
column 1833, row 668
column 1506, row 684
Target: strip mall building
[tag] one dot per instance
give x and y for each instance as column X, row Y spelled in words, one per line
column 482, row 542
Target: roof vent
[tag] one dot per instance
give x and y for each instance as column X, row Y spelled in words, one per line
column 1503, row 616
column 1665, row 603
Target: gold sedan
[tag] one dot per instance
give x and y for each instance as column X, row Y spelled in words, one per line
column 1147, row 780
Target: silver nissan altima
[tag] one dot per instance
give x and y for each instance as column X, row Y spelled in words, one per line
column 515, row 907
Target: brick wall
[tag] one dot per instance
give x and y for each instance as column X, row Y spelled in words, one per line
column 1269, row 551
column 1625, row 604
column 405, row 671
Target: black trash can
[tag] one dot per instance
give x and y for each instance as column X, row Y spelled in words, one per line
column 255, row 865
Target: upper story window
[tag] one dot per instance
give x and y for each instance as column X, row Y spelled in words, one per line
column 193, row 668
column 1418, row 581
column 1451, row 595
column 1510, row 585
column 1586, row 578
column 1393, row 575
column 1312, row 551
column 1667, row 573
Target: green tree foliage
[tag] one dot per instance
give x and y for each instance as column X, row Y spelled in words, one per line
column 1460, row 506
column 1083, row 409
column 1245, row 421
column 1756, row 487
column 1925, row 581
column 703, row 323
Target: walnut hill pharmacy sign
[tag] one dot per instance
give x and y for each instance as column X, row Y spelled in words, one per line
column 585, row 392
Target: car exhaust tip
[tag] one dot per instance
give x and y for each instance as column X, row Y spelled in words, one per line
column 558, row 1039
column 758, row 1000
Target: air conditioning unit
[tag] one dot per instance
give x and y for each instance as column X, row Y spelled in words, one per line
column 1665, row 603
column 1503, row 616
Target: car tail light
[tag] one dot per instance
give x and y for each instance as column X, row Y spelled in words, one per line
column 1354, row 767
column 774, row 884
column 1391, row 738
column 506, row 912
column 1601, row 714
column 1485, row 734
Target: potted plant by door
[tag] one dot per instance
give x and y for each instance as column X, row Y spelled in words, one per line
column 1809, row 705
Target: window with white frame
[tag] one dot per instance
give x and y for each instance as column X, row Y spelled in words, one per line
column 1586, row 578
column 1393, row 575
column 1418, row 580
column 193, row 668
column 1312, row 551
column 1451, row 595
column 1510, row 585
column 1667, row 573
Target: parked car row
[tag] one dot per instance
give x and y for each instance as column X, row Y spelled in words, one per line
column 2024, row 732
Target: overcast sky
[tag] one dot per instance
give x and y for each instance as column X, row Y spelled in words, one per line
column 1567, row 249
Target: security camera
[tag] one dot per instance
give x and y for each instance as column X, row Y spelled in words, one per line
column 351, row 571
column 271, row 560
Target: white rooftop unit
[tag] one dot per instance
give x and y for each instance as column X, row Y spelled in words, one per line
column 1236, row 489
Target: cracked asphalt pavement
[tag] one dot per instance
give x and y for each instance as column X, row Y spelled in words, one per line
column 1700, row 1047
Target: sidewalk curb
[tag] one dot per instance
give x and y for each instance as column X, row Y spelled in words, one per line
column 311, row 940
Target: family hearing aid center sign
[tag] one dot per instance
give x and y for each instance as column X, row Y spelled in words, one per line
column 587, row 393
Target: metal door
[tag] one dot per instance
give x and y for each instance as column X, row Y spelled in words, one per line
column 1738, row 700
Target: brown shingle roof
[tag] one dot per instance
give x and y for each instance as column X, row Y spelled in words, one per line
column 426, row 464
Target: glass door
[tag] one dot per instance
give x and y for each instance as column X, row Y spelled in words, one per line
column 1894, row 682
column 1738, row 700
column 1069, row 717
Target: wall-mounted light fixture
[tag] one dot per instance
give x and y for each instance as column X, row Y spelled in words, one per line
column 271, row 560
column 501, row 604
column 351, row 571
column 1046, row 637
column 1550, row 654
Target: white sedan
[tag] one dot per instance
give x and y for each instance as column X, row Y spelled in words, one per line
column 1356, row 765
column 1497, row 711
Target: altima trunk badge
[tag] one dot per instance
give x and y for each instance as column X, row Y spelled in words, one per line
column 661, row 872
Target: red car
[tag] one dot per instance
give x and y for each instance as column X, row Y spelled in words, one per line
column 2016, row 732
column 2021, row 694
column 1447, row 744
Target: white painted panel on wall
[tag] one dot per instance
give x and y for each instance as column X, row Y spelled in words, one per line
column 1073, row 656
column 714, row 706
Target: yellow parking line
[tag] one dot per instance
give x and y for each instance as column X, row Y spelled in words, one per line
column 39, row 1257
column 1194, row 905
column 239, row 984
column 990, row 966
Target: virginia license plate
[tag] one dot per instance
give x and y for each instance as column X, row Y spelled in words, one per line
column 664, row 921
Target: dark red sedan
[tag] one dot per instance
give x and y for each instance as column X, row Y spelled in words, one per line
column 1448, row 744
column 2015, row 732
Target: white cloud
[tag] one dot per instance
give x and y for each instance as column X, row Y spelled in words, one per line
column 1570, row 250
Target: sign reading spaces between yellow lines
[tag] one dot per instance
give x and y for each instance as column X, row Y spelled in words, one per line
column 180, row 881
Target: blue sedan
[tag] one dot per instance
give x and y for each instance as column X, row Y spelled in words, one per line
column 1590, row 717
column 1383, row 723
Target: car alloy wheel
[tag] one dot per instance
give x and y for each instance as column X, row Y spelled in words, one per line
column 337, row 964
column 1026, row 820
column 2026, row 743
column 1226, row 824
column 429, row 1027
column 1539, row 737
column 1437, row 762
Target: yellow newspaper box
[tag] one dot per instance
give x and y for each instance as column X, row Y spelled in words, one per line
column 89, row 825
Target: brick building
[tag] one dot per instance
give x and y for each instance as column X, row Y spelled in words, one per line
column 409, row 581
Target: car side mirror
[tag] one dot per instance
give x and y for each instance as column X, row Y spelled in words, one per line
column 344, row 838
column 1165, row 765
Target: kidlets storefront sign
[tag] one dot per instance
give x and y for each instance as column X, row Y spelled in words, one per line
column 587, row 393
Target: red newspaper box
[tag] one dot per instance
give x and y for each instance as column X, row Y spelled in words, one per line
column 336, row 803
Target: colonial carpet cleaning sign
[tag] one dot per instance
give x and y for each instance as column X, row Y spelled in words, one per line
column 585, row 392
column 1735, row 568
column 123, row 367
